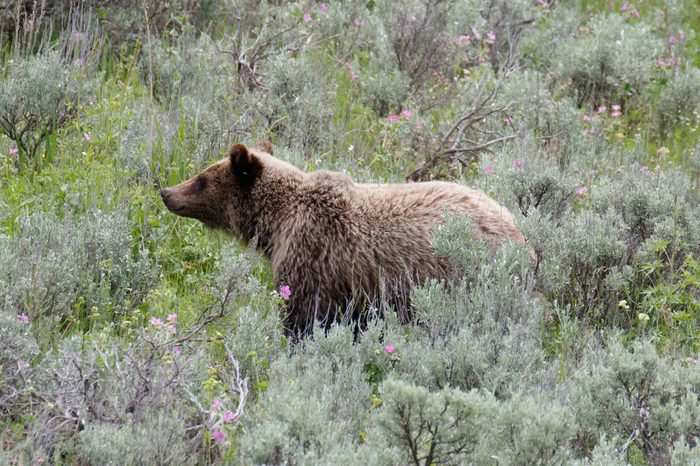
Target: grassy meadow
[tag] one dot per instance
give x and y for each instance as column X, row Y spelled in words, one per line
column 129, row 335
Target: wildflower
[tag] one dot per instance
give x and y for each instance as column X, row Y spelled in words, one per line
column 177, row 351
column 489, row 168
column 14, row 151
column 643, row 318
column 156, row 322
column 219, row 435
column 462, row 40
column 541, row 3
column 393, row 118
column 508, row 121
column 307, row 19
column 216, row 405
column 323, row 8
column 481, row 59
column 602, row 109
column 79, row 62
column 358, row 22
column 586, row 119
column 643, row 169
column 582, row 191
column 285, row 292
column 407, row 113
column 518, row 164
column 616, row 111
column 491, row 36
column 172, row 318
column 172, row 329
column 475, row 33
column 661, row 64
column 87, row 136
column 389, row 349
column 634, row 12
column 351, row 71
column 228, row 416
column 24, row 318
column 681, row 35
column 625, row 6
column 622, row 304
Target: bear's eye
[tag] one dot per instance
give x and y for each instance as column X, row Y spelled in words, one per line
column 201, row 183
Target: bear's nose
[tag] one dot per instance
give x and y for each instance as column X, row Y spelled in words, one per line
column 164, row 193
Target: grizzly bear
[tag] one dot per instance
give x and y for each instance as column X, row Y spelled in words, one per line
column 335, row 243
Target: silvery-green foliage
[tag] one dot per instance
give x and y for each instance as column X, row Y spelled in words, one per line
column 38, row 94
column 683, row 454
column 639, row 397
column 156, row 438
column 55, row 268
column 315, row 403
column 527, row 429
column 384, row 86
column 605, row 453
column 423, row 427
column 18, row 348
column 678, row 101
column 614, row 56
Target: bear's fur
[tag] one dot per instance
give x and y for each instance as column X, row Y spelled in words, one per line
column 331, row 240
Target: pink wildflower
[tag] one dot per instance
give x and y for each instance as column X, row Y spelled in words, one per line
column 491, row 36
column 661, row 64
column 172, row 329
column 462, row 40
column 672, row 40
column 79, row 62
column 216, row 405
column 407, row 113
column 219, row 435
column 518, row 164
column 482, row 59
column 625, row 6
column 634, row 12
column 393, row 118
column 681, row 35
column 87, row 136
column 643, row 169
column 389, row 349
column 172, row 317
column 307, row 19
column 508, row 121
column 358, row 22
column 616, row 111
column 24, row 318
column 14, row 151
column 228, row 416
column 582, row 191
column 602, row 109
column 489, row 168
column 285, row 292
column 156, row 322
column 323, row 8
column 475, row 33
column 177, row 351
column 586, row 118
column 351, row 71
column 541, row 3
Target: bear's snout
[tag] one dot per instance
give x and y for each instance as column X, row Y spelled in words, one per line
column 170, row 200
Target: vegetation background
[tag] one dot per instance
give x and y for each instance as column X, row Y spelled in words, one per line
column 131, row 336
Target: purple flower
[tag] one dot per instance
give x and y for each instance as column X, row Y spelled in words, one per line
column 228, row 416
column 156, row 322
column 177, row 351
column 634, row 12
column 462, row 40
column 489, row 168
column 541, row 2
column 87, row 136
column 586, row 118
column 358, row 22
column 172, row 318
column 582, row 191
column 219, row 435
column 79, row 61
column 389, row 349
column 625, row 6
column 491, row 36
column 643, row 169
column 393, row 118
column 14, row 151
column 216, row 405
column 323, row 8
column 407, row 113
column 508, row 121
column 285, row 292
column 24, row 318
column 672, row 40
column 307, row 19
column 475, row 32
column 518, row 164
column 602, row 109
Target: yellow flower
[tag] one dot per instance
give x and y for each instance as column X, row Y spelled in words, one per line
column 623, row 305
column 376, row 401
column 644, row 318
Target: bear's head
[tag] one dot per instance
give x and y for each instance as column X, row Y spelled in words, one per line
column 217, row 196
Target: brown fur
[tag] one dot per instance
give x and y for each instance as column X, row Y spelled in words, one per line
column 330, row 239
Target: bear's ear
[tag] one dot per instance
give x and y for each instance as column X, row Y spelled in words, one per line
column 244, row 165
